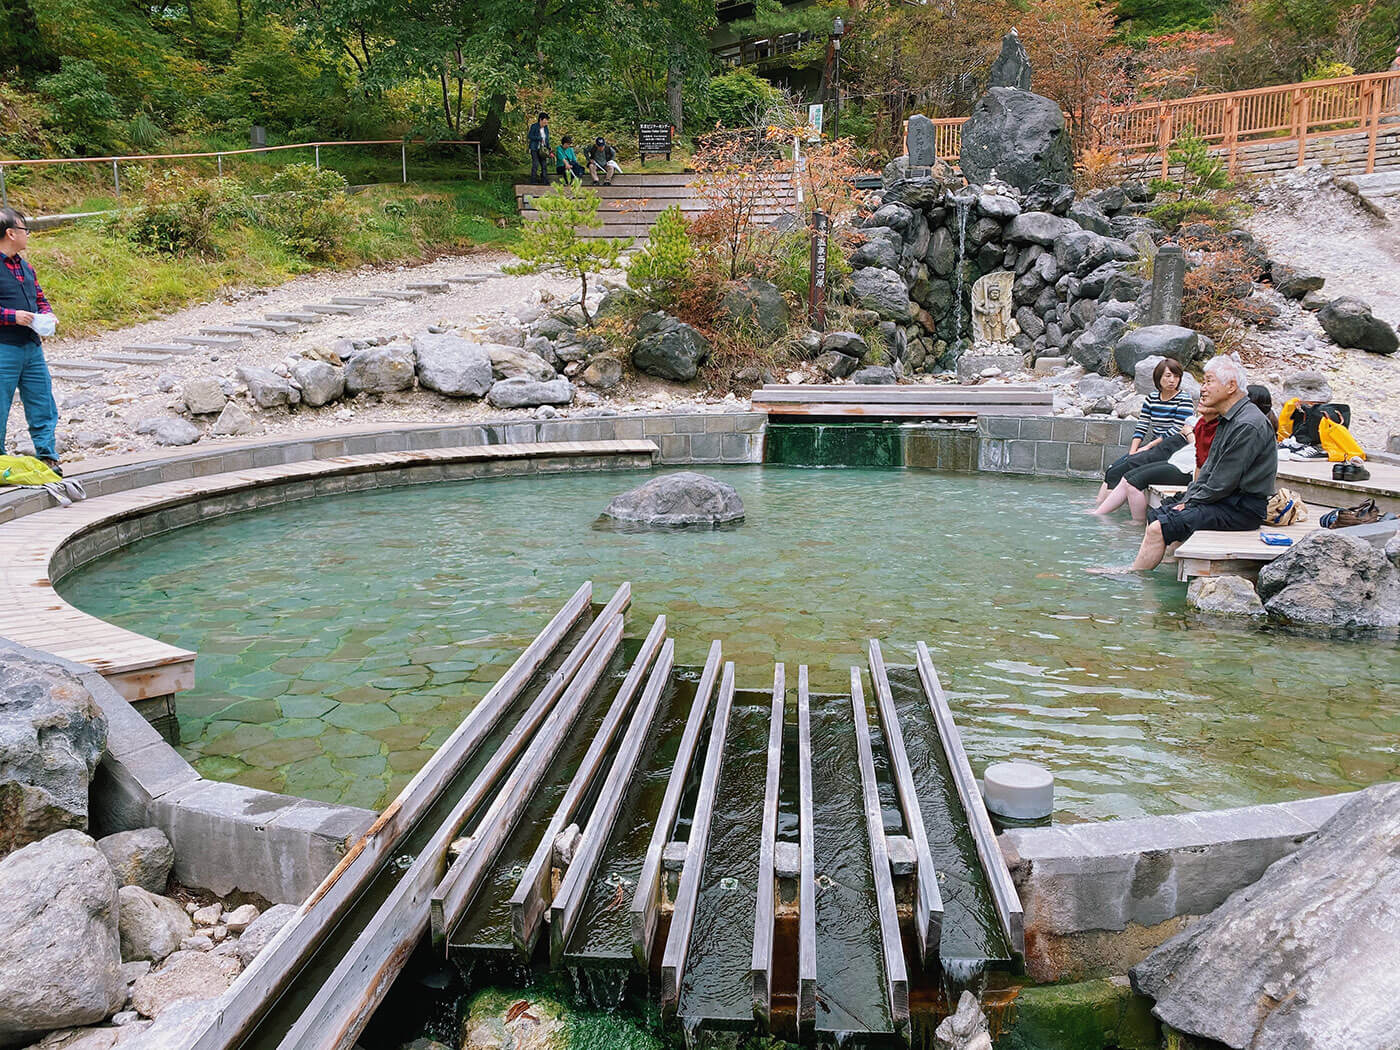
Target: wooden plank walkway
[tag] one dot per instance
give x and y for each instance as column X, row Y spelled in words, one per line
column 1212, row 552
column 916, row 400
column 765, row 911
column 32, row 613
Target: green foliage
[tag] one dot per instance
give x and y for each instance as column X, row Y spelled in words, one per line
column 660, row 268
column 553, row 240
column 738, row 98
column 1195, row 192
column 306, row 208
column 1155, row 17
column 80, row 104
column 1324, row 69
column 176, row 214
column 22, row 50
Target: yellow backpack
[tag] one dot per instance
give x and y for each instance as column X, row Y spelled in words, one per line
column 1338, row 442
column 25, row 470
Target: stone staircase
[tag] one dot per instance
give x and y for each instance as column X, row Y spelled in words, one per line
column 1380, row 189
column 633, row 202
column 100, row 365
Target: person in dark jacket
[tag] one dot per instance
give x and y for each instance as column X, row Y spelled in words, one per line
column 541, row 152
column 24, row 313
column 602, row 160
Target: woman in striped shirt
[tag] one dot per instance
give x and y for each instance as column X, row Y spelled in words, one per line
column 1157, row 435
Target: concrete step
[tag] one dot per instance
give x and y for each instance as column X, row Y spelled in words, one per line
column 172, row 349
column 433, row 287
column 236, row 330
column 472, row 278
column 405, row 294
column 214, row 342
column 65, row 375
column 357, row 300
column 132, row 359
column 280, row 327
column 298, row 317
column 83, row 366
column 333, row 308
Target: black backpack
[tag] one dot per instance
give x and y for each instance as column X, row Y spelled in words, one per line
column 1306, row 418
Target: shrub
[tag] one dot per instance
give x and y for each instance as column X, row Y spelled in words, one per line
column 553, row 241
column 1219, row 300
column 307, row 209
column 1199, row 189
column 176, row 214
column 739, row 98
column 659, row 269
column 80, row 105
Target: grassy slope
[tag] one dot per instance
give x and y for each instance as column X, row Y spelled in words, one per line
column 97, row 280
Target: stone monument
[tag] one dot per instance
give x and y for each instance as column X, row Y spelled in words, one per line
column 1168, row 285
column 1012, row 69
column 921, row 141
column 991, row 308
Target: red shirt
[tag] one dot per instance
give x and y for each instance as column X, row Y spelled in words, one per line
column 1205, row 434
column 16, row 269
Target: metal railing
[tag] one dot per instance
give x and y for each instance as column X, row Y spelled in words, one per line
column 1288, row 112
column 219, row 155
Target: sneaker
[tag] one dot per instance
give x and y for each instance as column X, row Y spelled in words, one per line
column 1308, row 454
column 52, row 464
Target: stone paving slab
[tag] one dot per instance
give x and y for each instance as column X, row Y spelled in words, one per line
column 299, row 316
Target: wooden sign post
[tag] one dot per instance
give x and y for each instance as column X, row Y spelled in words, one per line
column 655, row 139
column 816, row 290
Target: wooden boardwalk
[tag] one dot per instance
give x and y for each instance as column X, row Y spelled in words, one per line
column 140, row 668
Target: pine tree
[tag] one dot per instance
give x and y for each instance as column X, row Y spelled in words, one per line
column 554, row 240
column 660, row 268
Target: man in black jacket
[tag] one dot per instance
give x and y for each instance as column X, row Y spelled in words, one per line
column 24, row 313
column 540, row 150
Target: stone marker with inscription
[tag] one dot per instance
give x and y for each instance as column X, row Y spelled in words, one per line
column 1168, row 285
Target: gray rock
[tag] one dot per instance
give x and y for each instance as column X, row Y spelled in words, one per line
column 1315, row 301
column 1030, row 322
column 52, row 734
column 836, row 364
column 617, row 301
column 169, row 430
column 849, row 343
column 60, row 961
column 267, row 388
column 1082, row 251
column 921, row 137
column 756, row 304
column 530, row 393
column 383, row 369
column 876, row 251
column 320, row 382
column 151, row 926
column 1091, row 217
column 185, row 975
column 1051, row 196
column 543, row 349
column 1039, row 227
column 1392, row 550
column 511, row 335
column 808, row 344
column 1020, row 136
column 171, row 1031
column 998, row 206
column 200, row 942
column 1276, row 965
column 882, row 290
column 447, row 364
column 668, row 349
column 1294, row 283
column 1159, row 340
column 942, row 253
column 204, row 396
column 241, row 918
column 603, row 372
column 232, row 421
column 1330, row 582
column 1093, row 348
column 874, row 375
column 1225, row 596
column 552, row 327
column 894, row 215
column 1094, row 386
column 1012, row 68
column 509, row 362
column 1349, row 322
column 686, row 498
column 141, row 858
column 262, row 929
column 1307, row 386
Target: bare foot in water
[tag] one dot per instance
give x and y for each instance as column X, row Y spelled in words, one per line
column 1114, row 570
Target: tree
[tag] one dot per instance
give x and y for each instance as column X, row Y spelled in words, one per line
column 554, row 240
column 735, row 178
column 664, row 264
column 1078, row 62
column 22, row 49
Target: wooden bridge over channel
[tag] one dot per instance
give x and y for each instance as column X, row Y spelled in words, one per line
column 773, row 859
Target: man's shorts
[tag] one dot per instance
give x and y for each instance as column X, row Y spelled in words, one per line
column 1236, row 513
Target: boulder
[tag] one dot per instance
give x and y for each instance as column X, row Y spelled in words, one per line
column 543, row 349
column 686, row 498
column 1143, row 384
column 1159, row 340
column 1232, row 596
column 836, row 364
column 876, row 251
column 668, row 349
column 1308, row 386
column 894, row 215
column 261, row 930
column 451, row 365
column 603, row 372
column 755, row 304
column 1038, row 227
column 1283, row 962
column 169, row 430
column 513, row 335
column 151, row 926
column 1093, row 348
column 1020, row 136
column 232, row 421
column 1091, row 217
column 172, row 1030
column 60, row 959
column 874, row 375
column 1331, row 582
column 509, row 362
column 530, row 393
column 1082, row 251
column 941, row 254
column 267, row 389
column 320, row 382
column 1349, row 322
column 1012, row 68
column 141, row 858
column 849, row 343
column 1293, row 283
column 882, row 290
column 552, row 327
column 1051, row 196
column 204, row 396
column 382, row 369
column 185, row 975
column 52, row 734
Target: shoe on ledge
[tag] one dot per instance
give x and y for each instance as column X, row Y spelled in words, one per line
column 1351, row 470
column 52, row 464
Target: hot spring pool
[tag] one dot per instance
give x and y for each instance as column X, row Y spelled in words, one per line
column 341, row 639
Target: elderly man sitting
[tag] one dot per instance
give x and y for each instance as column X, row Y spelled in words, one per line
column 1233, row 489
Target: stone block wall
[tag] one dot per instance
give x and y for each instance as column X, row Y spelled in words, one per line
column 1052, row 446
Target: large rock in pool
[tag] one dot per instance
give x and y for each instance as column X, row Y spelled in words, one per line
column 686, row 498
column 1332, row 582
column 52, row 735
column 60, row 959
column 1019, row 135
column 1307, row 957
column 1349, row 322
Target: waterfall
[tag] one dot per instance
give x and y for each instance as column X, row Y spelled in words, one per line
column 964, row 207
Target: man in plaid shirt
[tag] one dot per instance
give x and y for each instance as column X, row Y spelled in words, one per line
column 22, row 364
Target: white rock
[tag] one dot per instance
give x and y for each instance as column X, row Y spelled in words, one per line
column 208, row 915
column 239, row 919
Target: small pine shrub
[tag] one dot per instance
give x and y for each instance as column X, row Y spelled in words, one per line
column 553, row 241
column 664, row 264
column 1199, row 191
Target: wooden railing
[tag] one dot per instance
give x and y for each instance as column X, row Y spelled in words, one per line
column 1290, row 112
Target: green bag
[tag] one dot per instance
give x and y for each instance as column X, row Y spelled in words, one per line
column 25, row 470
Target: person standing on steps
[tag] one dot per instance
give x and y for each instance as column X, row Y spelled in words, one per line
column 25, row 316
column 540, row 150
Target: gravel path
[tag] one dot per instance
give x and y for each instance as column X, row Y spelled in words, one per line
column 99, row 418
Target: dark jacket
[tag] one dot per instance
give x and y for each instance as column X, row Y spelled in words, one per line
column 19, row 295
column 600, row 155
column 1243, row 458
column 539, row 136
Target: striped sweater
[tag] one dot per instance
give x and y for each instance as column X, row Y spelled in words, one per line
column 1160, row 418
